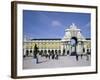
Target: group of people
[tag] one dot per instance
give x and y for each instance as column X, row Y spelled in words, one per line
column 49, row 56
column 86, row 55
column 52, row 56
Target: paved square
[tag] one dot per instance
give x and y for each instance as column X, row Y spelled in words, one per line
column 62, row 61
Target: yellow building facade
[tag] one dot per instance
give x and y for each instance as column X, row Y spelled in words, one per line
column 72, row 42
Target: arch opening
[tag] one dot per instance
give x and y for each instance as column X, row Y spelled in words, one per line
column 73, row 45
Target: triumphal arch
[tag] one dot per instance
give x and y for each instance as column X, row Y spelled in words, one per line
column 74, row 42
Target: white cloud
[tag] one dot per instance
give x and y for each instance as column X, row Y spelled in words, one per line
column 56, row 23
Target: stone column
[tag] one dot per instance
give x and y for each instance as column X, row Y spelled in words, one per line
column 24, row 52
column 62, row 47
column 69, row 47
column 79, row 48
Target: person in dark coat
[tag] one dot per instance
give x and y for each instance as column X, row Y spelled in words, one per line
column 76, row 57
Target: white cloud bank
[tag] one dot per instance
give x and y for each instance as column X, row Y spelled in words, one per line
column 56, row 23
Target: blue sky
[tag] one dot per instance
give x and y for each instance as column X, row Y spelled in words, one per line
column 43, row 24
